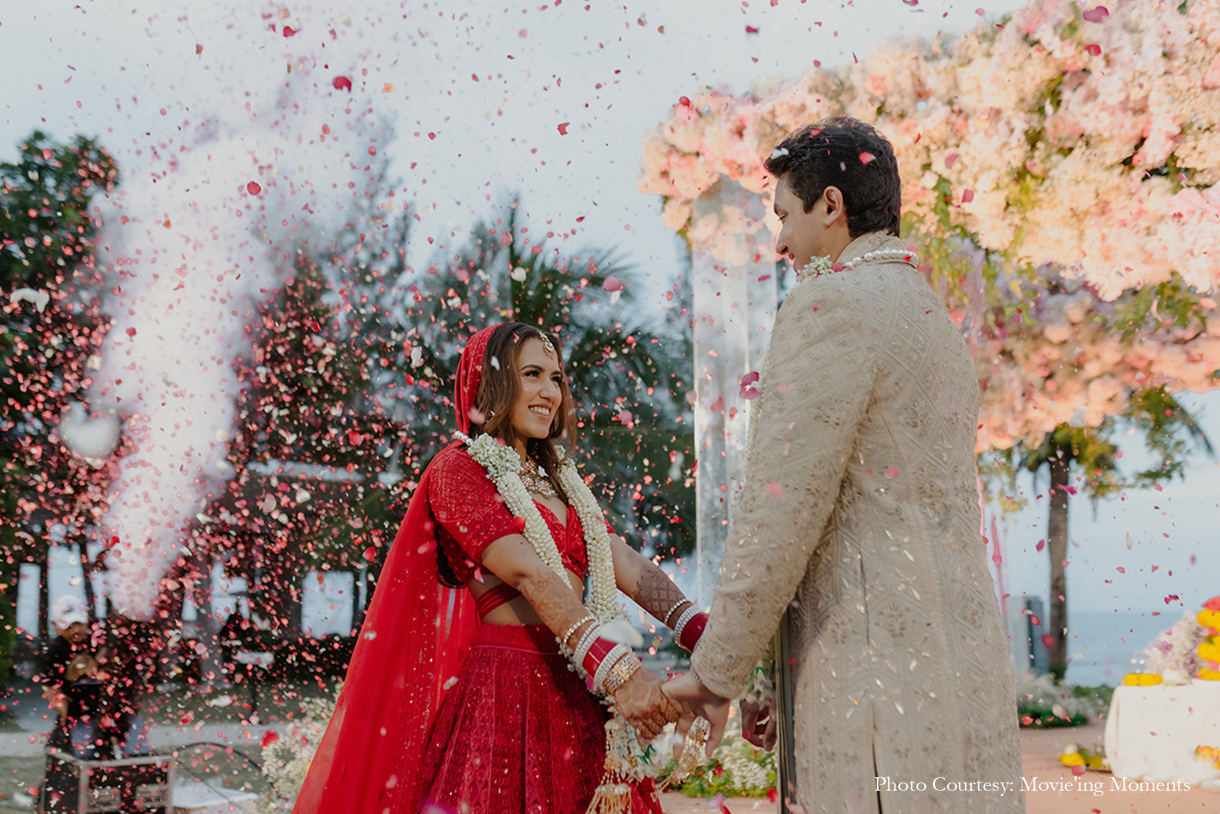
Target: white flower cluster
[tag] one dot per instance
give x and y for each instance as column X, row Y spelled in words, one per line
column 760, row 686
column 747, row 768
column 1042, row 691
column 1174, row 655
column 1053, row 138
column 1059, row 358
column 286, row 760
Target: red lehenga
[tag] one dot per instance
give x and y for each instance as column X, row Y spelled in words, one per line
column 439, row 713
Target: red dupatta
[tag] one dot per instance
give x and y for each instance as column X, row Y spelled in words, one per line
column 413, row 641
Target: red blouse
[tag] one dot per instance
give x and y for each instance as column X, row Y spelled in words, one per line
column 470, row 515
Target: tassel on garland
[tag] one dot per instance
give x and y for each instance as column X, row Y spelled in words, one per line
column 611, row 798
column 692, row 753
column 625, row 762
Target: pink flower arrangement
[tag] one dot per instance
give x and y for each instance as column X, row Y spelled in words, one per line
column 1082, row 149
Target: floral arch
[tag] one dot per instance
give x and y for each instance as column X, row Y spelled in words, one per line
column 1061, row 175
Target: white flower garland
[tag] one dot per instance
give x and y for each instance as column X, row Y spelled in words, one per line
column 625, row 755
column 822, row 265
column 503, row 466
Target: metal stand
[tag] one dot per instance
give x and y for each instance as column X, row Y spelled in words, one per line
column 786, row 748
column 76, row 786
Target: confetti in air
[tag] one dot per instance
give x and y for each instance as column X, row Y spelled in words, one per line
column 198, row 243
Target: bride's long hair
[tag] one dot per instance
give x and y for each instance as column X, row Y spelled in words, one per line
column 500, row 388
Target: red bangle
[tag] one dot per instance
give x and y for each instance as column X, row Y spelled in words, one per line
column 598, row 651
column 692, row 632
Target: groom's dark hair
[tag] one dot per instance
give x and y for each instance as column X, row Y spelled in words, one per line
column 848, row 154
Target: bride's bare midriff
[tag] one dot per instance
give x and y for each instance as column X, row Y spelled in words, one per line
column 518, row 611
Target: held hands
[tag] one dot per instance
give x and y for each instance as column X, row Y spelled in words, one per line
column 759, row 725
column 640, row 701
column 695, row 700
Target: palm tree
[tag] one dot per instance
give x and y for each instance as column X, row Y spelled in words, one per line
column 1162, row 420
column 629, row 377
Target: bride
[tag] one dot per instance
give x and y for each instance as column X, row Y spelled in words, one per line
column 470, row 686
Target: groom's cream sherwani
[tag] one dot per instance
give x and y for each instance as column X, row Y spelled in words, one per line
column 860, row 512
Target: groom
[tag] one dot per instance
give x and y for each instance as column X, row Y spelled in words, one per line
column 855, row 540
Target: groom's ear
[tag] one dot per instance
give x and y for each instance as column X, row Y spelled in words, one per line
column 836, row 211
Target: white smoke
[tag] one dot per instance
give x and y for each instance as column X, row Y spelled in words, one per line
column 191, row 246
column 91, row 438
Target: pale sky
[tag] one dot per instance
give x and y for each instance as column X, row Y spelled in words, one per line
column 477, row 91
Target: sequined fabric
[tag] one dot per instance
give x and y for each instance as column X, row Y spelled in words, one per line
column 471, row 515
column 860, row 512
column 518, row 733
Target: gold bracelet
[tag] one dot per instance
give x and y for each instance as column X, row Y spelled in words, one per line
column 620, row 671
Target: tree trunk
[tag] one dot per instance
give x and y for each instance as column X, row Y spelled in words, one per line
column 82, row 549
column 44, row 604
column 1056, row 544
column 10, row 581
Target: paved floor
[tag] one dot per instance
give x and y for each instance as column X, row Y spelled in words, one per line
column 1040, row 750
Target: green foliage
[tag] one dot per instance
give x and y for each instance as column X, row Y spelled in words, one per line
column 1165, row 426
column 47, row 237
column 1038, row 697
column 312, row 450
column 44, row 210
column 1162, row 420
column 1168, row 304
column 735, row 769
column 629, row 379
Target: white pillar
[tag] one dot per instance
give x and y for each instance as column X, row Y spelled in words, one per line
column 733, row 278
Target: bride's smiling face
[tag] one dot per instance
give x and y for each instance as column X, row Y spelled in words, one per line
column 540, row 392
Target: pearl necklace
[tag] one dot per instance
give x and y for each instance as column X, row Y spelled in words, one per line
column 822, row 265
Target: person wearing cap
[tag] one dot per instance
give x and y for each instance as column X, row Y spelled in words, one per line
column 70, row 678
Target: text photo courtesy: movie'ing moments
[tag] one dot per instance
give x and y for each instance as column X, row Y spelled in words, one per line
column 492, row 408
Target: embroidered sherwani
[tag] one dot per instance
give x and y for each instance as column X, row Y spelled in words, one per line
column 860, row 515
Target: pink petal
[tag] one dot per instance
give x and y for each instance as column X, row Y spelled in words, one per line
column 342, row 83
column 1096, row 14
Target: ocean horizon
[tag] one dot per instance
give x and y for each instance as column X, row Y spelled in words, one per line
column 1103, row 646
